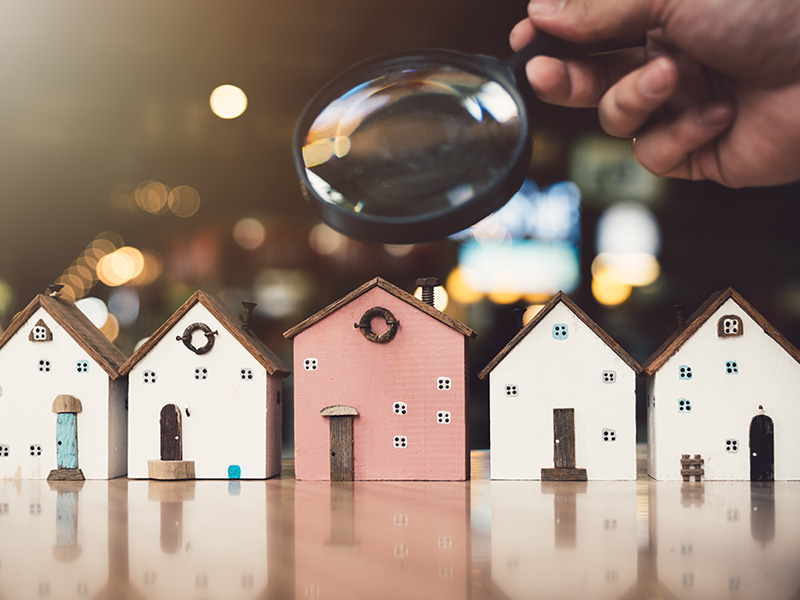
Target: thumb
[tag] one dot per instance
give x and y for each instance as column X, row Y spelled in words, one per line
column 594, row 20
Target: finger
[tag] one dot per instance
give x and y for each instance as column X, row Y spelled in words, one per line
column 521, row 35
column 593, row 20
column 580, row 82
column 684, row 146
column 631, row 102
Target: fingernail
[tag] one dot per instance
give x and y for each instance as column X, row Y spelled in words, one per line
column 716, row 115
column 657, row 79
column 545, row 7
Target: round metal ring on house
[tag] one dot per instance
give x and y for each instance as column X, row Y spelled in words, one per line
column 365, row 325
column 186, row 338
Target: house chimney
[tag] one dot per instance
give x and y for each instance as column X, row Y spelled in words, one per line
column 680, row 319
column 247, row 314
column 427, row 284
column 55, row 289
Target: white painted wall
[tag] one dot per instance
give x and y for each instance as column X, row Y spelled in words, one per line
column 227, row 416
column 565, row 373
column 26, row 416
column 723, row 405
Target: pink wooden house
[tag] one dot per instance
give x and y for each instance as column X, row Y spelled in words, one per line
column 380, row 389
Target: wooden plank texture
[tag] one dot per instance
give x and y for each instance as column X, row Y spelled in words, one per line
column 171, row 448
column 564, row 438
column 341, row 447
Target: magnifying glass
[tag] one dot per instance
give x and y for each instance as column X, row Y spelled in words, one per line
column 419, row 145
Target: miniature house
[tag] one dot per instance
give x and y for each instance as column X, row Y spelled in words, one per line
column 722, row 397
column 380, row 389
column 562, row 398
column 62, row 406
column 205, row 398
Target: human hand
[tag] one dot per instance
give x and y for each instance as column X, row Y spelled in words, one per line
column 714, row 93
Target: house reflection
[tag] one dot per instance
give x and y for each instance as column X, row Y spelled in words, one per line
column 382, row 539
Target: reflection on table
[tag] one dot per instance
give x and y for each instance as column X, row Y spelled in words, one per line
column 283, row 538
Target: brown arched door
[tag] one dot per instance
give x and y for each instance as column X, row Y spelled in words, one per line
column 171, row 446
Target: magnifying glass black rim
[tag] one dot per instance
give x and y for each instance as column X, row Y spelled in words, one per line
column 439, row 224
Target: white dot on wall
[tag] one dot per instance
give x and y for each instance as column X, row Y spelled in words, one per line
column 228, row 101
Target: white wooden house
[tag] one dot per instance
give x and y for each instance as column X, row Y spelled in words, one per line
column 724, row 386
column 562, row 397
column 62, row 399
column 205, row 398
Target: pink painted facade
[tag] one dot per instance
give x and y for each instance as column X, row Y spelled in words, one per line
column 422, row 370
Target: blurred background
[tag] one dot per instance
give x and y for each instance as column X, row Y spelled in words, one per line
column 127, row 178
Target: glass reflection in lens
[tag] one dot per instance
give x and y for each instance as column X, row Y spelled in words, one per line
column 412, row 143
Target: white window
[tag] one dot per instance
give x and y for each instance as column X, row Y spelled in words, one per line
column 400, row 520
column 512, row 390
column 44, row 365
column 400, row 441
column 609, row 435
column 399, row 408
column 401, row 551
column 3, row 451
column 445, row 571
column 201, row 373
column 731, row 445
column 443, row 383
column 609, row 376
column 149, row 377
column 443, row 417
column 684, row 405
column 445, row 542
column 36, row 450
column 247, row 374
column 729, row 325
column 310, row 364
column 40, row 332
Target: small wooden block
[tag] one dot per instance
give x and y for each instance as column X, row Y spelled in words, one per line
column 170, row 469
column 563, row 474
column 66, row 475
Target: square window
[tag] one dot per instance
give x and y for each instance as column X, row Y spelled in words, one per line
column 445, row 542
column 36, row 450
column 443, row 383
column 401, row 551
column 732, row 446
column 149, row 376
column 560, row 331
column 201, row 373
column 609, row 376
column 82, row 366
column 609, row 435
column 684, row 372
column 44, row 365
column 310, row 364
column 400, row 441
column 400, row 520
column 729, row 325
column 684, row 405
column 399, row 408
column 445, row 571
column 40, row 332
column 443, row 417
column 732, row 367
column 512, row 390
column 3, row 451
column 247, row 374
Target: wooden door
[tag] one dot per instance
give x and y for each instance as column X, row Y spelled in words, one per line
column 171, row 446
column 67, row 441
column 762, row 449
column 564, row 438
column 341, row 447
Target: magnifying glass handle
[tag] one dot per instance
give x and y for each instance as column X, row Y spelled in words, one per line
column 547, row 45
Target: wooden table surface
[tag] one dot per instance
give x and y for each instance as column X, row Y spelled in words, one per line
column 283, row 538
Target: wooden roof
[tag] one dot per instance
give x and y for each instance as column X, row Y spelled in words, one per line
column 392, row 289
column 560, row 297
column 700, row 316
column 233, row 324
column 70, row 318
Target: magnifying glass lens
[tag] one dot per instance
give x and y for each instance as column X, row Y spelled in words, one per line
column 408, row 143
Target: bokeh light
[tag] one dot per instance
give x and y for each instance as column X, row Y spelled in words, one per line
column 123, row 303
column 121, row 266
column 111, row 328
column 324, row 240
column 628, row 227
column 249, row 233
column 531, row 312
column 459, row 288
column 635, row 268
column 183, row 201
column 94, row 309
column 151, row 197
column 151, row 270
column 228, row 101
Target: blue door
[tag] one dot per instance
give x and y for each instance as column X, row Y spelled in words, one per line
column 67, row 441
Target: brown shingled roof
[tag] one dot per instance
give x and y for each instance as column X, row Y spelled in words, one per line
column 673, row 343
column 392, row 289
column 77, row 325
column 560, row 297
column 265, row 357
